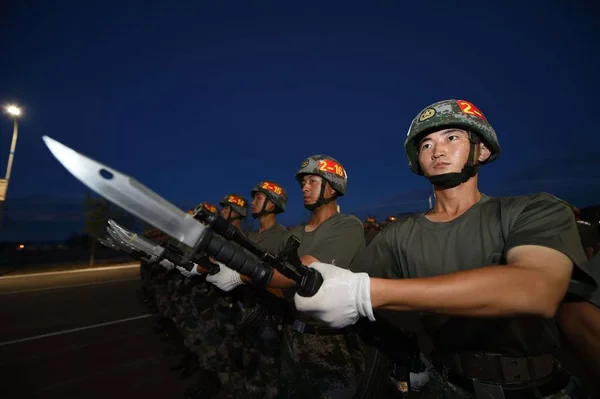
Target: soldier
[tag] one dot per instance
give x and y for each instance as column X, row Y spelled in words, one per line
column 317, row 361
column 262, row 315
column 487, row 273
column 195, row 297
column 215, row 339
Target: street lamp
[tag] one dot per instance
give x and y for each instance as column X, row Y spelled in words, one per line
column 15, row 112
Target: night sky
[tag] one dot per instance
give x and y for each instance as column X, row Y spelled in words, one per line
column 200, row 100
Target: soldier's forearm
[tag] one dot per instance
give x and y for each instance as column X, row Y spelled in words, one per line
column 280, row 281
column 488, row 291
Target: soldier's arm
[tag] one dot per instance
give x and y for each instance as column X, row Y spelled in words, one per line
column 533, row 283
column 345, row 240
column 281, row 281
column 542, row 248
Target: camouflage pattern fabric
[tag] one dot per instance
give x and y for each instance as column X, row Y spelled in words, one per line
column 326, row 167
column 214, row 340
column 162, row 293
column 315, row 366
column 231, row 350
column 170, row 302
column 261, row 355
column 274, row 192
column 184, row 305
column 439, row 387
column 459, row 114
column 237, row 203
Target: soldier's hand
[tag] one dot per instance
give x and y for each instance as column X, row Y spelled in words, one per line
column 226, row 279
column 191, row 273
column 342, row 299
column 167, row 264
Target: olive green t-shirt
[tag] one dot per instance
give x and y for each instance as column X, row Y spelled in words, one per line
column 335, row 241
column 482, row 236
column 270, row 240
column 369, row 235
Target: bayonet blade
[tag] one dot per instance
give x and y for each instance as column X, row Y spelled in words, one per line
column 118, row 240
column 136, row 241
column 110, row 244
column 129, row 194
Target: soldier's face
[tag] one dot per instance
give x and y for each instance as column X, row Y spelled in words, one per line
column 311, row 188
column 258, row 201
column 444, row 151
column 225, row 212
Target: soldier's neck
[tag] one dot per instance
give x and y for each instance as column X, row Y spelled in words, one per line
column 452, row 202
column 320, row 215
column 237, row 224
column 266, row 222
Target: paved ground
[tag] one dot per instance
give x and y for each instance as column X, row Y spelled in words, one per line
column 46, row 351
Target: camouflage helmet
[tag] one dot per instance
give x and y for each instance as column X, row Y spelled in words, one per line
column 274, row 192
column 207, row 205
column 326, row 167
column 237, row 203
column 446, row 114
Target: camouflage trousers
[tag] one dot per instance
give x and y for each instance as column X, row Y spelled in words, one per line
column 162, row 295
column 196, row 318
column 171, row 300
column 439, row 387
column 218, row 347
column 261, row 354
column 314, row 366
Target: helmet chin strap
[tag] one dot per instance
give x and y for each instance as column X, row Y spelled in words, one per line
column 321, row 201
column 263, row 211
column 450, row 180
column 233, row 219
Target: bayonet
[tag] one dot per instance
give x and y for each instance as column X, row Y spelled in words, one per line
column 142, row 202
column 129, row 194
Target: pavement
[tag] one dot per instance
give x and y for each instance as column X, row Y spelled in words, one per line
column 77, row 334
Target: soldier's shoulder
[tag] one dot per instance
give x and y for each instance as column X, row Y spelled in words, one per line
column 348, row 220
column 539, row 200
column 295, row 229
column 402, row 222
column 280, row 229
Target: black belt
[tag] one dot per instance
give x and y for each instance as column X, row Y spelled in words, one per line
column 494, row 367
column 305, row 328
column 545, row 387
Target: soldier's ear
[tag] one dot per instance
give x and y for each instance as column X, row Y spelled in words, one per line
column 328, row 187
column 484, row 152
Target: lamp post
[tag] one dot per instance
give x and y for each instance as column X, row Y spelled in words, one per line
column 15, row 112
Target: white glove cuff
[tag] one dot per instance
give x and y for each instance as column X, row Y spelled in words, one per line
column 167, row 264
column 196, row 271
column 363, row 296
column 237, row 279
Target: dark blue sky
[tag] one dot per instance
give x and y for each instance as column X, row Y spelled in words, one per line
column 199, row 100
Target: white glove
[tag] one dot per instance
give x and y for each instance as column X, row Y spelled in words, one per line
column 419, row 380
column 191, row 273
column 226, row 279
column 342, row 299
column 167, row 264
